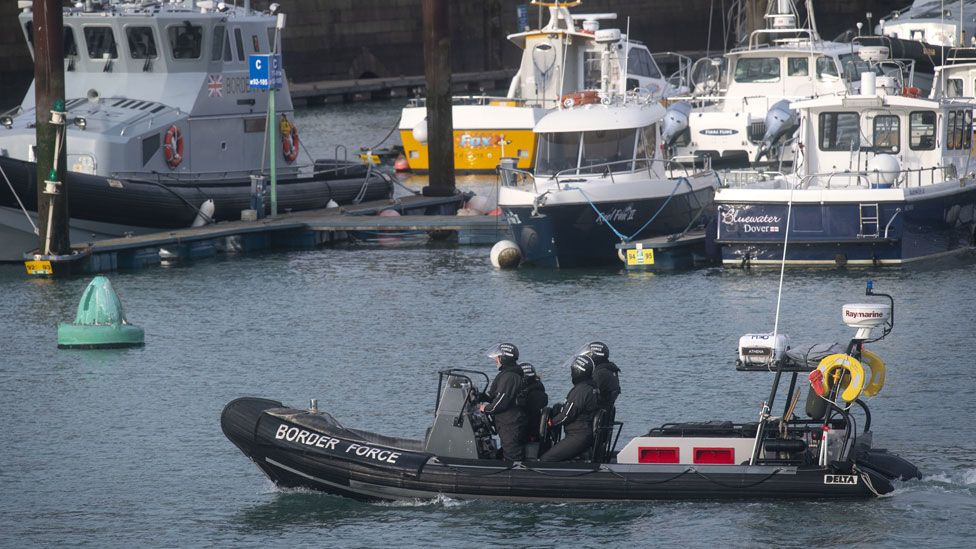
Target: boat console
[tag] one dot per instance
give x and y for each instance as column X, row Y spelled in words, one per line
column 459, row 429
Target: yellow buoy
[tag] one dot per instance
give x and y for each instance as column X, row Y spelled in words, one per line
column 877, row 366
column 836, row 365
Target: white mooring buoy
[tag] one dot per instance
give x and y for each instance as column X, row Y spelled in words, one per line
column 506, row 254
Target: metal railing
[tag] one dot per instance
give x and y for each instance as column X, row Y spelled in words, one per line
column 912, row 177
column 474, row 100
column 515, row 178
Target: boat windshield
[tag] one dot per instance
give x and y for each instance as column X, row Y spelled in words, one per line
column 854, row 66
column 586, row 152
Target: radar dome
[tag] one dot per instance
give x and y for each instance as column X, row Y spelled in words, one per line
column 883, row 170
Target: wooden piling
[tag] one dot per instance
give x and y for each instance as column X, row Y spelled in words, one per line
column 440, row 125
column 49, row 89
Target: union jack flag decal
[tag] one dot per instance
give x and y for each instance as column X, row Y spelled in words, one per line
column 215, row 85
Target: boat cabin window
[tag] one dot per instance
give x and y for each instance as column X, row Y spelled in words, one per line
column 239, row 39
column 228, row 52
column 798, row 66
column 854, row 66
column 639, row 62
column 840, row 131
column 959, row 130
column 887, row 132
column 826, row 68
column 649, row 141
column 954, row 87
column 271, row 39
column 757, row 69
column 967, row 136
column 557, row 152
column 592, row 73
column 606, row 149
column 921, row 130
column 186, row 40
column 70, row 46
column 142, row 44
column 217, row 44
column 101, row 43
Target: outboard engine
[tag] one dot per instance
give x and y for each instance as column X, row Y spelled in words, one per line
column 781, row 121
column 675, row 122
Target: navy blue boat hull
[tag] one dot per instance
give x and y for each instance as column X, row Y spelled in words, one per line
column 574, row 235
column 831, row 233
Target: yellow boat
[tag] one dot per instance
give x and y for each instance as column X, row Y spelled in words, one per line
column 569, row 54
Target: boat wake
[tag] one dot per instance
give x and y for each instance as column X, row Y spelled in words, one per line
column 438, row 501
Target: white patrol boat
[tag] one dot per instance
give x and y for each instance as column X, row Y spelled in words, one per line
column 826, row 453
column 600, row 179
column 880, row 179
column 571, row 53
column 161, row 120
column 732, row 116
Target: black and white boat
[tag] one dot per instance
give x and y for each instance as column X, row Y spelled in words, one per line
column 161, row 119
column 826, row 455
column 883, row 179
column 600, row 179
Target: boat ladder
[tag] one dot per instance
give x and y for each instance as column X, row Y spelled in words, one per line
column 870, row 218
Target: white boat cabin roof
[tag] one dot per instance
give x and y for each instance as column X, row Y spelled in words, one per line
column 599, row 117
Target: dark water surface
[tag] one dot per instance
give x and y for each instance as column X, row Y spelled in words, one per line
column 123, row 447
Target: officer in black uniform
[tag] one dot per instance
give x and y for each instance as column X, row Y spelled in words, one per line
column 577, row 413
column 606, row 374
column 533, row 394
column 501, row 401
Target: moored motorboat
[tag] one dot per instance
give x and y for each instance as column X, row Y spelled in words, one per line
column 884, row 179
column 600, row 179
column 161, row 119
column 569, row 54
column 826, row 455
column 734, row 115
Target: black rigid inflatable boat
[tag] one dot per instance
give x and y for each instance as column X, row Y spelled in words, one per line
column 822, row 456
column 169, row 202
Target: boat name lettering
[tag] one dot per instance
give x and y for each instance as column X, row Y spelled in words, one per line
column 752, row 223
column 236, row 85
column 618, row 214
column 294, row 434
column 373, row 453
column 840, row 479
column 475, row 141
column 718, row 131
column 308, row 438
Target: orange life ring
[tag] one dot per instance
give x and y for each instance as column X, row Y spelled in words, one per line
column 911, row 91
column 575, row 99
column 289, row 142
column 173, row 147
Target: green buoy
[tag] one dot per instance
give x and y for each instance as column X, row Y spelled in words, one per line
column 100, row 322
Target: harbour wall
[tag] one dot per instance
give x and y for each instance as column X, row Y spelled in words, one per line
column 356, row 39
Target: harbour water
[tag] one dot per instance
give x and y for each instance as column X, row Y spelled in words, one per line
column 118, row 447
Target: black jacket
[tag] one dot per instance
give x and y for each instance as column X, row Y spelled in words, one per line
column 607, row 382
column 535, row 397
column 581, row 405
column 504, row 390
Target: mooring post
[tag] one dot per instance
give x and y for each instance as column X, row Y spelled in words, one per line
column 50, row 153
column 440, row 126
